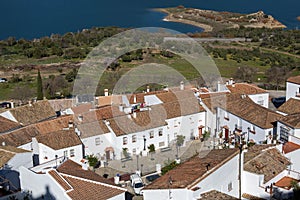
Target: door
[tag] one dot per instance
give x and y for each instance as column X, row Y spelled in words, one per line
column 226, row 134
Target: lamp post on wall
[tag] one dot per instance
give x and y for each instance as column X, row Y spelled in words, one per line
column 144, row 143
column 248, row 135
column 56, row 156
column 137, row 162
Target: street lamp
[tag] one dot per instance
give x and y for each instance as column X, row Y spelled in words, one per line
column 248, row 136
column 141, row 168
column 137, row 162
column 144, row 143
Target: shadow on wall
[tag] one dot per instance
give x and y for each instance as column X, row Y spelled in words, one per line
column 26, row 195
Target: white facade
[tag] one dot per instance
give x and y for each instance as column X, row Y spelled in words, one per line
column 287, row 133
column 176, row 194
column 231, row 121
column 292, row 90
column 46, row 153
column 20, row 159
column 260, row 99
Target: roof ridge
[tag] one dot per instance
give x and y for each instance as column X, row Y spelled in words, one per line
column 92, row 181
column 62, row 178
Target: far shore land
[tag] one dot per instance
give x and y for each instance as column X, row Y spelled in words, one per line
column 208, row 28
column 205, row 27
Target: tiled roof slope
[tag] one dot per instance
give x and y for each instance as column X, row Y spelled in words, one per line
column 290, row 147
column 292, row 120
column 294, row 79
column 140, row 96
column 268, row 162
column 144, row 120
column 245, row 88
column 193, row 170
column 216, row 195
column 33, row 113
column 219, row 100
column 59, row 139
column 7, row 125
column 71, row 168
column 173, row 96
column 83, row 189
column 24, row 135
column 246, row 109
column 60, row 180
column 292, row 106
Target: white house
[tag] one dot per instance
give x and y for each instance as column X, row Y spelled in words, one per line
column 69, row 181
column 108, row 130
column 256, row 94
column 293, row 87
column 63, row 143
column 197, row 176
column 288, row 128
column 264, row 167
column 242, row 119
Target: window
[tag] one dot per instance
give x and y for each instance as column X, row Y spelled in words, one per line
column 226, row 115
column 175, row 135
column 133, row 138
column 151, row 134
column 160, row 132
column 134, row 151
column 66, row 153
column 284, row 134
column 192, row 134
column 124, row 140
column 260, row 102
column 97, row 141
column 72, row 153
column 252, row 129
column 229, row 186
column 161, row 144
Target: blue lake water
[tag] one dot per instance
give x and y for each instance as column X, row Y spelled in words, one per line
column 35, row 18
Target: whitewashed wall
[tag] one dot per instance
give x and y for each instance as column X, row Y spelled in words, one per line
column 257, row 98
column 294, row 157
column 40, row 184
column 45, row 151
column 291, row 89
column 21, row 159
column 118, row 197
column 165, row 194
column 252, row 184
column 260, row 135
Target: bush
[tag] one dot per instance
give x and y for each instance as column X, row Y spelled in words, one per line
column 92, row 160
column 168, row 167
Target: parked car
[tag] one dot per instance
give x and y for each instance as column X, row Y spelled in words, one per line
column 137, row 184
column 3, row 80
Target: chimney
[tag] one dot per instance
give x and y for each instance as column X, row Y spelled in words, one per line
column 148, row 88
column 12, row 104
column 218, row 86
column 84, row 164
column 106, row 92
column 80, row 118
column 29, row 103
column 231, row 82
column 134, row 114
column 181, row 85
column 121, row 108
column 70, row 124
column 134, row 99
column 3, row 143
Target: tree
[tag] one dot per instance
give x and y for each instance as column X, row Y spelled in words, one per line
column 245, row 73
column 22, row 93
column 277, row 75
column 39, row 87
column 93, row 160
column 180, row 140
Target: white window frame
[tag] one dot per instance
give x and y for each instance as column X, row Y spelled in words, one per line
column 97, row 141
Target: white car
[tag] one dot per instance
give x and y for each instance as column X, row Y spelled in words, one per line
column 137, row 184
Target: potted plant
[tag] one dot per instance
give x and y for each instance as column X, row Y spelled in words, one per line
column 151, row 148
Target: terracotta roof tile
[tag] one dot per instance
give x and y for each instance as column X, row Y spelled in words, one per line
column 88, row 190
column 292, row 106
column 59, row 139
column 109, row 100
column 71, row 168
column 285, row 182
column 292, row 120
column 194, row 170
column 7, row 125
column 294, row 79
column 289, row 147
column 60, row 180
column 214, row 100
column 24, row 135
column 245, row 88
column 216, row 195
column 36, row 112
column 246, row 109
column 269, row 162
